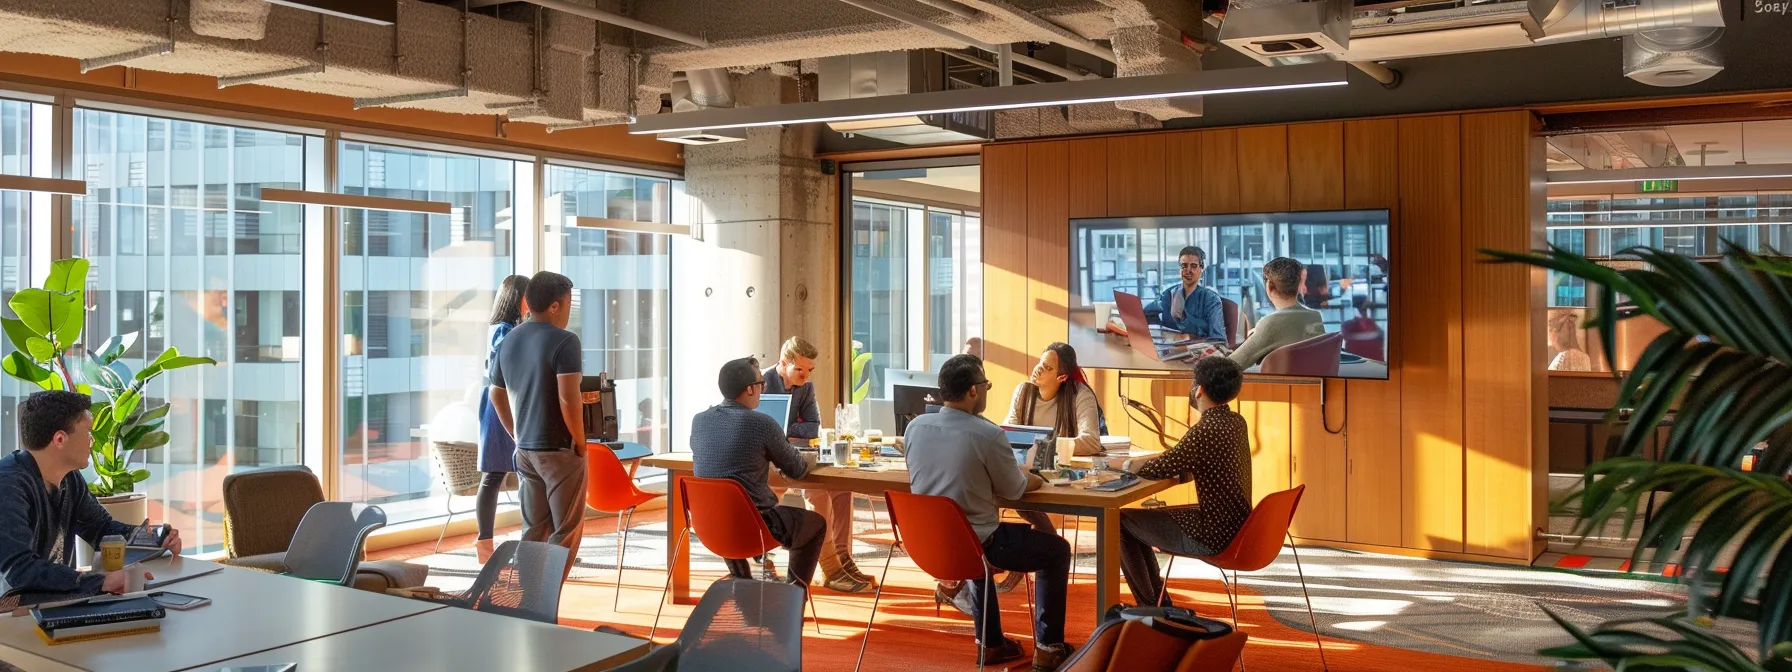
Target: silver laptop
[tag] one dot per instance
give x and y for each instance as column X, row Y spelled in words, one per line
column 777, row 406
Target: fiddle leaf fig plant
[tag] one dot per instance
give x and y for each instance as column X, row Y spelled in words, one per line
column 43, row 331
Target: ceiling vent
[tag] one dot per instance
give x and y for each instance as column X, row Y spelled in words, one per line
column 705, row 137
column 1279, row 32
column 894, row 73
column 1673, row 56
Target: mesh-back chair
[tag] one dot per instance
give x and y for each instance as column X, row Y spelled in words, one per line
column 522, row 579
column 727, row 523
column 663, row 659
column 327, row 546
column 934, row 533
column 1257, row 544
column 611, row 489
column 745, row 625
column 458, row 468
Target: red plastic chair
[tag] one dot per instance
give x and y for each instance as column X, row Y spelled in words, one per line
column 1257, row 544
column 728, row 524
column 611, row 489
column 1229, row 309
column 1316, row 356
column 933, row 531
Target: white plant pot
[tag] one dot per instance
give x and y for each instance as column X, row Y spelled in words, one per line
column 129, row 508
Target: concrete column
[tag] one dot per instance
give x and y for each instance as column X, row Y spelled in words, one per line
column 762, row 262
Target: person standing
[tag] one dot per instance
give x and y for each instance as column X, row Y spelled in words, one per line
column 1216, row 453
column 732, row 440
column 958, row 454
column 1187, row 306
column 45, row 504
column 792, row 376
column 1291, row 322
column 1564, row 340
column 496, row 449
column 535, row 387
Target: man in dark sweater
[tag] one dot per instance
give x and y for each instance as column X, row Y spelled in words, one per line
column 796, row 363
column 1216, row 453
column 732, row 440
column 44, row 502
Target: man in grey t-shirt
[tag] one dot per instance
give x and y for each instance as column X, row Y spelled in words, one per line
column 1291, row 323
column 535, row 389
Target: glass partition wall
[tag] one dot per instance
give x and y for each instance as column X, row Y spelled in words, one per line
column 185, row 252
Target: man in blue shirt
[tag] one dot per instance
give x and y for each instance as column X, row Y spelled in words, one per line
column 1187, row 306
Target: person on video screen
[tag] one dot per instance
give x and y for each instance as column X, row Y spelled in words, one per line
column 1187, row 306
column 1290, row 323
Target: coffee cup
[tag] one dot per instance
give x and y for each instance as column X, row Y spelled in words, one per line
column 1103, row 313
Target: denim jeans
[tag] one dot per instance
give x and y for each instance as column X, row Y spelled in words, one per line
column 1020, row 548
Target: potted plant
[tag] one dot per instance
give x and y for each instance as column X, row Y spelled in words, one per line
column 1724, row 369
column 46, row 324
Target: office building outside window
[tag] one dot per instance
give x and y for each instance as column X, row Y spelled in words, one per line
column 185, row 254
column 24, row 150
column 621, row 288
column 416, row 294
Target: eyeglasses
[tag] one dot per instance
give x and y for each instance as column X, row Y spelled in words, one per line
column 1194, row 265
column 758, row 383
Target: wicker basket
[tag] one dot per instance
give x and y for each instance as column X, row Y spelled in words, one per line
column 459, row 464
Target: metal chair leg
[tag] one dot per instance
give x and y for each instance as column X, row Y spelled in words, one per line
column 1233, row 603
column 881, row 578
column 621, row 552
column 985, row 588
column 812, row 610
column 1076, row 538
column 656, row 613
column 449, row 504
column 1303, row 594
column 1164, row 589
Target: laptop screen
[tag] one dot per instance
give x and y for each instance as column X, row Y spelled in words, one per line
column 777, row 406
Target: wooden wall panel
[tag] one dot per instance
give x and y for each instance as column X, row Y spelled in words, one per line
column 1372, row 469
column 1004, row 271
column 1263, row 168
column 1182, row 173
column 1088, row 177
column 1048, row 239
column 1136, row 175
column 1219, row 161
column 1428, row 294
column 1504, row 334
column 1317, row 457
column 1265, row 409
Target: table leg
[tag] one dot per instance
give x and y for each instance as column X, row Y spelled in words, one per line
column 1107, row 560
column 678, row 556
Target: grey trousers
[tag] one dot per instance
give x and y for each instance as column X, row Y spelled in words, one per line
column 552, row 489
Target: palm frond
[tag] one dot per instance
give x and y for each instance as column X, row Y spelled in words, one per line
column 1633, row 645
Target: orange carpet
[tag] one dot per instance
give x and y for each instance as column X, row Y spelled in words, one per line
column 910, row 638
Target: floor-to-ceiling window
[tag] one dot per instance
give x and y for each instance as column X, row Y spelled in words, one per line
column 416, row 294
column 24, row 150
column 621, row 287
column 185, row 254
column 914, row 251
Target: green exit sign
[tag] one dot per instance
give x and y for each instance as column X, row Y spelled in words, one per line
column 1657, row 186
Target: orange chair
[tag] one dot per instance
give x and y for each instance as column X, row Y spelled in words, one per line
column 728, row 525
column 611, row 489
column 941, row 542
column 1257, row 544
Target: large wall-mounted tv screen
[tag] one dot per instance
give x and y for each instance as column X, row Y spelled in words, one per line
column 1299, row 294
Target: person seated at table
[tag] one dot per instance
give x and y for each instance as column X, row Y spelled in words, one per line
column 791, row 375
column 958, row 454
column 1216, row 453
column 732, row 440
column 45, row 504
column 1290, row 323
column 1056, row 395
column 1187, row 306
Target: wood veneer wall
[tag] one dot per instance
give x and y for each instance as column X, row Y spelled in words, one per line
column 1446, row 457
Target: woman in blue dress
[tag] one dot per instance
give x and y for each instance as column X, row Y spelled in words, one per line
column 497, row 451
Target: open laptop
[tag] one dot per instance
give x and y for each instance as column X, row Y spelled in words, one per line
column 1138, row 330
column 913, row 401
column 777, row 406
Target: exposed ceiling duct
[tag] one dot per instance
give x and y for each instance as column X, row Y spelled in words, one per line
column 892, row 73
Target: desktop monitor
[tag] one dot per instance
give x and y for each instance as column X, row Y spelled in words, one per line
column 910, row 402
column 894, row 377
column 778, row 407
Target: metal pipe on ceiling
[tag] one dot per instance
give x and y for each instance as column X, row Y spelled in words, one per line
column 953, row 8
column 602, row 16
column 973, row 60
column 963, row 39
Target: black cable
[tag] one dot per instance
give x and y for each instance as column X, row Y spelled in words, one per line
column 1325, row 419
column 1151, row 418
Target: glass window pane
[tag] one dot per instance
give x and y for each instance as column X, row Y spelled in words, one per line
column 184, row 266
column 22, row 149
column 416, row 292
column 621, row 291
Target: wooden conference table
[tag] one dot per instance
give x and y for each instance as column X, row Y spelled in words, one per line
column 1104, row 507
column 257, row 618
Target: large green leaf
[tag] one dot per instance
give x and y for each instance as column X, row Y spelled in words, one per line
column 18, row 334
column 114, row 347
column 44, row 311
column 151, row 440
column 67, row 275
column 17, row 365
column 169, row 360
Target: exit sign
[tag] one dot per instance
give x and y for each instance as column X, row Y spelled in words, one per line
column 1656, row 186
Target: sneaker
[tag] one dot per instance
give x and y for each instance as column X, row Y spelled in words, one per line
column 768, row 569
column 1049, row 657
column 1006, row 652
column 845, row 583
column 852, row 570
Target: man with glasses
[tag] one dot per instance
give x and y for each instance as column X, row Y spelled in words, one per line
column 958, row 454
column 732, row 440
column 1187, row 306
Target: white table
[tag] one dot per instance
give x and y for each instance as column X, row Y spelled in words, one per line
column 455, row 639
column 250, row 612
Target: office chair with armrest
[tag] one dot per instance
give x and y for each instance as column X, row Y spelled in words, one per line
column 1316, row 357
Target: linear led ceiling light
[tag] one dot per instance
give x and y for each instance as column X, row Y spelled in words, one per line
column 43, row 185
column 376, row 12
column 356, row 201
column 635, row 227
column 1742, row 172
column 1205, row 83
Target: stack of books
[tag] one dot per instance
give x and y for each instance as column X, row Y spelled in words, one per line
column 98, row 619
